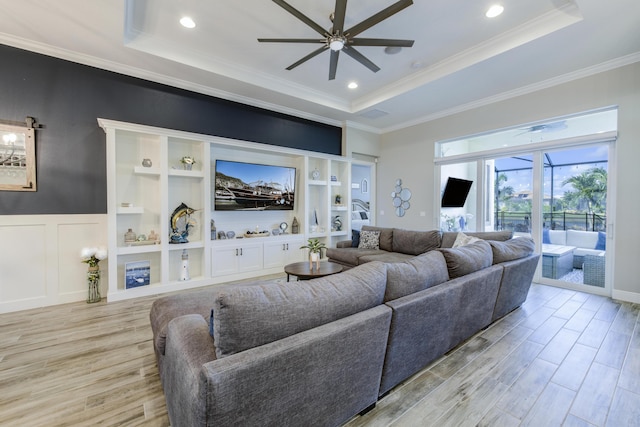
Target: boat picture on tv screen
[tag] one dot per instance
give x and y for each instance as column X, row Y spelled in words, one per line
column 251, row 186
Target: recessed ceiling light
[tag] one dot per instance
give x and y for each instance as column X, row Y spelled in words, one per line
column 352, row 85
column 494, row 11
column 187, row 22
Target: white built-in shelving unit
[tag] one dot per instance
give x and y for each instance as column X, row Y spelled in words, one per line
column 143, row 198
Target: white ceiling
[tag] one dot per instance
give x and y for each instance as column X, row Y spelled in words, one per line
column 464, row 59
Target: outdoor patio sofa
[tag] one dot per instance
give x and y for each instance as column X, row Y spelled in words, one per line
column 585, row 242
column 319, row 352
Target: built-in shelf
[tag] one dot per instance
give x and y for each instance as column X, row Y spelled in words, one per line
column 141, row 170
column 130, row 210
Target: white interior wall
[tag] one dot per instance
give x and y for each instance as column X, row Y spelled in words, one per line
column 409, row 154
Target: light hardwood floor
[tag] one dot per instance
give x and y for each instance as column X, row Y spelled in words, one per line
column 563, row 358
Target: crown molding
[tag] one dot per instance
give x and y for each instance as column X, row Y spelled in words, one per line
column 524, row 90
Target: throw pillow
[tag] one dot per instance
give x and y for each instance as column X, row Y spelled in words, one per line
column 545, row 236
column 369, row 240
column 211, row 324
column 601, row 245
column 355, row 238
column 464, row 240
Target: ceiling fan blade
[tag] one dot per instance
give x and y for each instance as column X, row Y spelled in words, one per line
column 292, row 40
column 308, row 57
column 378, row 17
column 360, row 58
column 338, row 16
column 295, row 12
column 333, row 64
column 381, row 42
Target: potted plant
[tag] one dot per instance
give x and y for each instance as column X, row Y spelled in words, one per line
column 315, row 247
column 188, row 162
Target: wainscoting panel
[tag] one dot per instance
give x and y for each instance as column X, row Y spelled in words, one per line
column 40, row 263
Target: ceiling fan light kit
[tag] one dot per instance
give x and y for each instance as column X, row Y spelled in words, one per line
column 337, row 39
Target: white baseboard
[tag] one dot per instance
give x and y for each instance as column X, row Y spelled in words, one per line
column 633, row 297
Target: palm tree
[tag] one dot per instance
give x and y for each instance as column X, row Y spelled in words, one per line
column 503, row 193
column 589, row 187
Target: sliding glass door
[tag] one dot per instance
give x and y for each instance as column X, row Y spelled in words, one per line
column 556, row 191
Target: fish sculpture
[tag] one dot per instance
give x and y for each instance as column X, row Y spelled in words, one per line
column 178, row 235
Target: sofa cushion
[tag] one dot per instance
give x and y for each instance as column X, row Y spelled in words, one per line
column 463, row 240
column 250, row 316
column 449, row 237
column 350, row 256
column 415, row 242
column 512, row 249
column 582, row 239
column 386, row 236
column 384, row 256
column 369, row 240
column 418, row 273
column 558, row 237
column 467, row 259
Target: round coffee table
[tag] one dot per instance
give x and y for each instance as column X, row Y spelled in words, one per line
column 302, row 271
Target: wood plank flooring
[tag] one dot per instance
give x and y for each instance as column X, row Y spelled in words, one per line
column 564, row 358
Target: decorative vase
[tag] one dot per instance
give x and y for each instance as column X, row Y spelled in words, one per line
column 314, row 257
column 93, row 281
column 187, row 166
column 146, row 163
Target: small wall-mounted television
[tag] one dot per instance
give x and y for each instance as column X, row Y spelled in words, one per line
column 455, row 193
column 253, row 187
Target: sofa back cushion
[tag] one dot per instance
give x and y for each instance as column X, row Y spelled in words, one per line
column 467, row 259
column 416, row 274
column 250, row 316
column 557, row 237
column 512, row 249
column 415, row 242
column 449, row 237
column 582, row 239
column 386, row 236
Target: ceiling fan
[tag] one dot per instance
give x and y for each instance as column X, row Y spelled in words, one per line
column 338, row 39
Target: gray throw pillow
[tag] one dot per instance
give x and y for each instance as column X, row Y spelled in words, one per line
column 416, row 274
column 369, row 240
column 386, row 236
column 468, row 259
column 250, row 316
column 512, row 249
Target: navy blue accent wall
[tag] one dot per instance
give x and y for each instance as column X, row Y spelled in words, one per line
column 67, row 98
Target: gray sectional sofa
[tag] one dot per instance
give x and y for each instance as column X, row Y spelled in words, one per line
column 319, row 352
column 396, row 244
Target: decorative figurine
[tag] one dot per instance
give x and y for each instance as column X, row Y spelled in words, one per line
column 180, row 222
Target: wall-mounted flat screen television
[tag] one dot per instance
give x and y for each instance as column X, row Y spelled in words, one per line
column 253, row 187
column 455, row 193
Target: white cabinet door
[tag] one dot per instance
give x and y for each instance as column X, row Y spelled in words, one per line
column 231, row 259
column 224, row 260
column 250, row 257
column 281, row 253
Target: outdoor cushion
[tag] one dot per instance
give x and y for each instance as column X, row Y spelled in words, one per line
column 416, row 274
column 415, row 242
column 582, row 239
column 601, row 245
column 512, row 249
column 369, row 240
column 386, row 236
column 250, row 316
column 558, row 237
column 467, row 259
